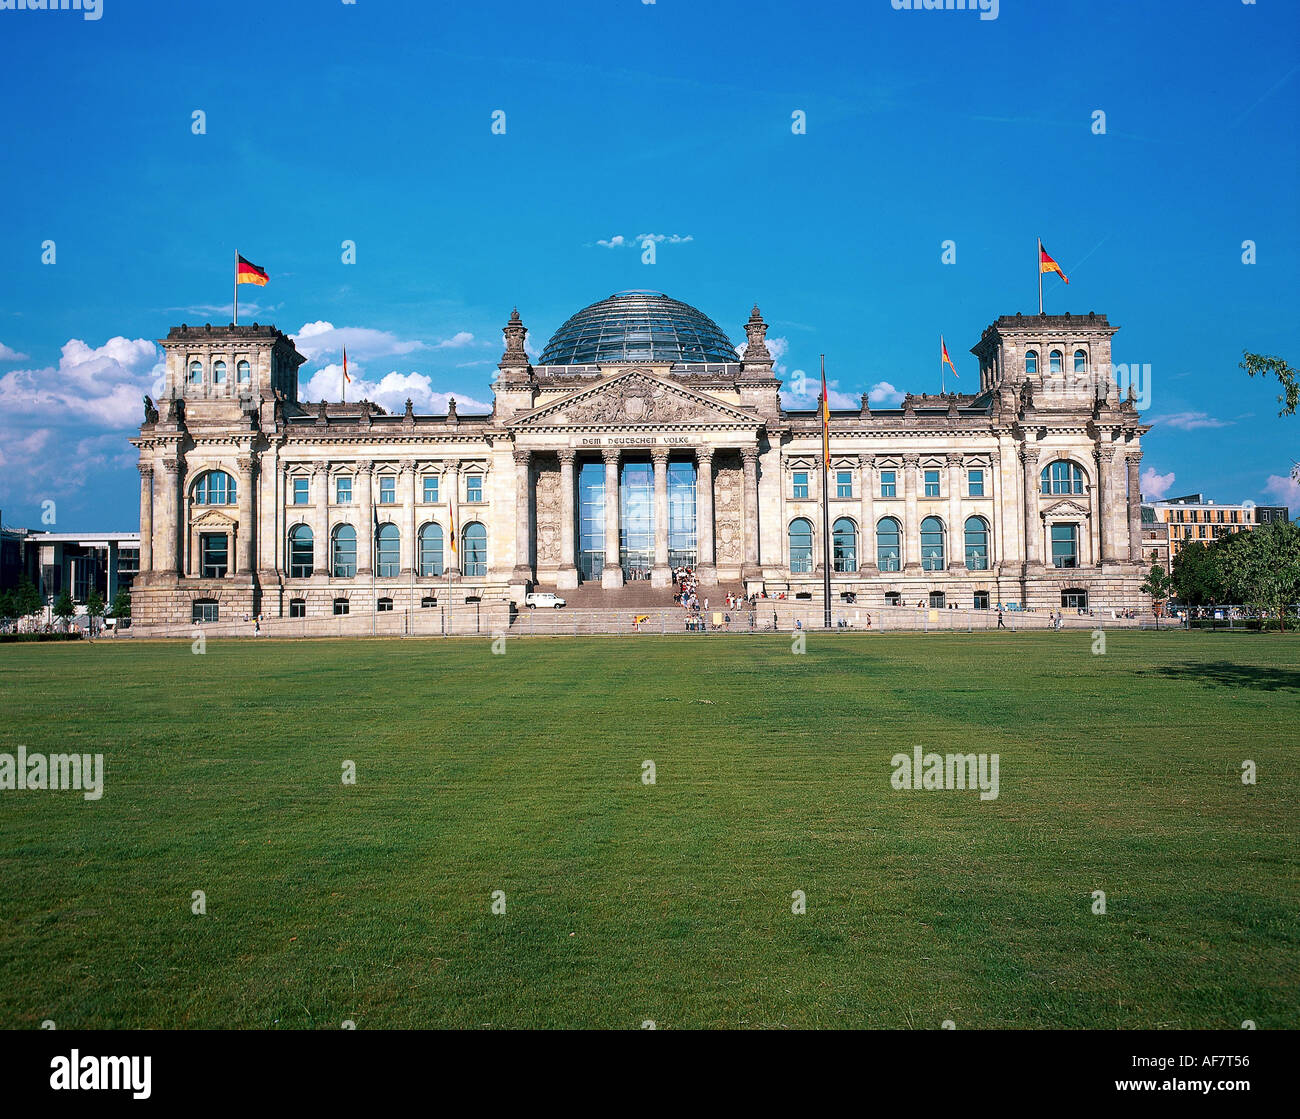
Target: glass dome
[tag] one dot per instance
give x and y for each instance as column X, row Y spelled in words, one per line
column 638, row 326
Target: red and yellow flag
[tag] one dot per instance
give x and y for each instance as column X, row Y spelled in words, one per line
column 944, row 358
column 246, row 272
column 451, row 521
column 346, row 378
column 826, row 420
column 1047, row 264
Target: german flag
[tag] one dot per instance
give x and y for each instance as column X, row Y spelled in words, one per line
column 943, row 346
column 1047, row 264
column 826, row 419
column 246, row 272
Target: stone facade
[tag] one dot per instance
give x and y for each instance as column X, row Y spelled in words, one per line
column 252, row 502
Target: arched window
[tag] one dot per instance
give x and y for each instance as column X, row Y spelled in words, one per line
column 474, row 540
column 1080, row 362
column 431, row 550
column 243, row 372
column 932, row 544
column 1031, row 361
column 801, row 544
column 844, row 545
column 345, row 552
column 1054, row 362
column 216, row 487
column 1062, row 477
column 218, row 372
column 301, row 552
column 888, row 539
column 977, row 544
column 196, row 372
column 388, row 540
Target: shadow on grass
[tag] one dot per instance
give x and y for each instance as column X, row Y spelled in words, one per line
column 1236, row 675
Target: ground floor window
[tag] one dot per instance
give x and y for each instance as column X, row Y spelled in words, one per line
column 384, row 605
column 297, row 607
column 893, row 598
column 427, row 601
column 981, row 601
column 341, row 606
column 206, row 610
column 474, row 539
column 936, row 600
column 801, row 545
column 1074, row 599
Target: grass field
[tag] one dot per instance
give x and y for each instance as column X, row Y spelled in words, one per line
column 670, row 902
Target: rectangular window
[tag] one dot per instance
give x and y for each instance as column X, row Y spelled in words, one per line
column 800, row 485
column 888, row 483
column 1065, row 545
column 981, row 600
column 343, row 491
column 213, row 548
column 297, row 608
column 430, row 490
column 474, row 488
column 937, row 600
column 387, row 490
column 931, row 483
column 206, row 612
column 341, row 606
column 843, row 484
column 301, row 489
column 975, row 483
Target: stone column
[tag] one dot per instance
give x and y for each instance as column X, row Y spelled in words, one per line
column 146, row 517
column 613, row 573
column 1103, row 504
column 451, row 480
column 523, row 572
column 244, row 561
column 956, row 526
column 566, row 579
column 411, row 474
column 1033, row 522
column 1134, row 509
column 867, row 517
column 705, row 554
column 366, row 529
column 911, row 541
column 749, row 457
column 169, row 519
column 320, row 531
column 660, row 575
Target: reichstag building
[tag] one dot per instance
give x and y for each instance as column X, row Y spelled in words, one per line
column 642, row 440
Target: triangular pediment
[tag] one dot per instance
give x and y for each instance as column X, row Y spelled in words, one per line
column 634, row 398
column 1066, row 509
column 214, row 518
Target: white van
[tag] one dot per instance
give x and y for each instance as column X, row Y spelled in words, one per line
column 543, row 600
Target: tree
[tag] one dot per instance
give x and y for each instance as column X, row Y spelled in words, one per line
column 7, row 608
column 1262, row 567
column 122, row 604
column 94, row 609
column 1257, row 365
column 27, row 599
column 64, row 609
column 1196, row 578
column 1157, row 586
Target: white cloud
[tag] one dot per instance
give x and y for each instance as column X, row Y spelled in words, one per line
column 1189, row 421
column 319, row 339
column 102, row 385
column 1155, row 485
column 390, row 391
column 618, row 241
column 7, row 354
column 882, row 392
column 1284, row 490
column 457, row 341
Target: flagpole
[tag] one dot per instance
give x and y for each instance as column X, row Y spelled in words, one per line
column 1039, row 264
column 236, row 322
column 826, row 510
column 943, row 384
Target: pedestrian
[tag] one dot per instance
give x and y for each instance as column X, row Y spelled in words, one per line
column 1001, row 623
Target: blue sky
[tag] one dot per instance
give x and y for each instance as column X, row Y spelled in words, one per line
column 372, row 122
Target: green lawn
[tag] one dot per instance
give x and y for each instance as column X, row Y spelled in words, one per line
column 669, row 902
